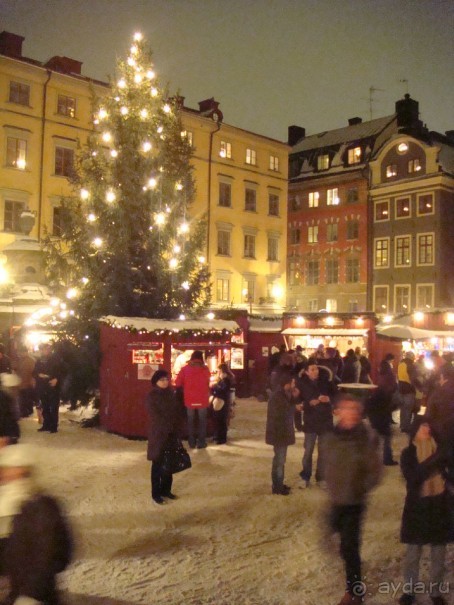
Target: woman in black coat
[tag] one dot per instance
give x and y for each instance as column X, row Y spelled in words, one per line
column 223, row 390
column 162, row 427
column 426, row 515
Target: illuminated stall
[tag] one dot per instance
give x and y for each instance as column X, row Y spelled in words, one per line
column 134, row 348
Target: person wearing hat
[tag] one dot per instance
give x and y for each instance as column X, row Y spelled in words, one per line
column 426, row 516
column 35, row 539
column 163, row 422
column 194, row 379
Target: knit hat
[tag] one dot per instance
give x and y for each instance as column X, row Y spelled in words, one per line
column 158, row 375
column 19, row 455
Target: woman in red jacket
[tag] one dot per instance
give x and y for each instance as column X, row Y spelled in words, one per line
column 194, row 379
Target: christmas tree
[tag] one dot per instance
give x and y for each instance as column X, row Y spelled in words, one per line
column 128, row 246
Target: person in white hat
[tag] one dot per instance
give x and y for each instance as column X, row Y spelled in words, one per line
column 35, row 539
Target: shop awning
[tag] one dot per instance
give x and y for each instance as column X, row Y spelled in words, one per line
column 403, row 332
column 325, row 331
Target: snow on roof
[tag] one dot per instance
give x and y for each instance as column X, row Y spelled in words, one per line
column 265, row 325
column 343, row 135
column 152, row 325
column 325, row 331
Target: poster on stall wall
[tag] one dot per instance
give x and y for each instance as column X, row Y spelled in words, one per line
column 237, row 359
column 146, row 370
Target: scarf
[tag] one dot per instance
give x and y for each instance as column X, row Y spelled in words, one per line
column 435, row 484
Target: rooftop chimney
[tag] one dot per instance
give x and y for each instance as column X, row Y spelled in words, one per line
column 407, row 111
column 210, row 109
column 353, row 121
column 11, row 44
column 450, row 134
column 64, row 65
column 295, row 134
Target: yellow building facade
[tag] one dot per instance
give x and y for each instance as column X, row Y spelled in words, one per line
column 241, row 177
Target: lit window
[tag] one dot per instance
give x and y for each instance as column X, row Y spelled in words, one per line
column 274, row 163
column 382, row 211
column 224, row 243
column 273, row 249
column 251, row 157
column 273, row 204
column 331, row 305
column 248, row 290
column 403, row 251
column 294, row 273
column 66, row 106
column 226, row 150
column 188, row 135
column 354, row 155
column 16, row 152
column 391, row 171
column 64, row 161
column 19, row 93
column 403, row 208
column 425, row 249
column 332, row 232
column 222, row 290
column 323, row 162
column 381, row 253
column 249, row 246
column 332, row 197
column 314, row 196
column 425, row 204
column 11, row 217
column 312, row 234
column 414, row 165
column 424, row 296
column 380, row 299
column 225, row 195
column 250, row 200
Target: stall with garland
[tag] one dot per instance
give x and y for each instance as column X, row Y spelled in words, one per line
column 134, row 348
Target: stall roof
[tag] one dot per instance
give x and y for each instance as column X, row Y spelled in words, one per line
column 156, row 325
column 325, row 331
column 265, row 325
column 405, row 332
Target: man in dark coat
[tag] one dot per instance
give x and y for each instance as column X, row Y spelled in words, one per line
column 48, row 374
column 315, row 394
column 9, row 427
column 352, row 469
column 279, row 430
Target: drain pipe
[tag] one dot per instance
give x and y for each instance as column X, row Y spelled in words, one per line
column 41, row 173
column 210, row 152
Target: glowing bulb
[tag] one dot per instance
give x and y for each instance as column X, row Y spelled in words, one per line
column 91, row 218
column 182, row 317
column 102, row 114
column 134, row 50
column 138, row 78
column 210, row 316
column 84, row 280
column 131, row 61
column 179, row 187
column 138, row 37
column 106, row 137
column 110, row 196
column 201, row 259
column 166, row 108
column 160, row 218
column 124, row 111
column 277, row 291
column 185, row 285
column 419, row 316
column 71, row 293
column 114, row 153
column 154, row 92
column 160, row 129
column 173, row 263
column 177, row 249
column 300, row 320
column 150, row 74
column 84, row 194
column 146, row 146
column 143, row 114
column 97, row 242
column 63, row 314
column 184, row 228
column 54, row 302
column 4, row 275
column 152, row 183
column 21, row 164
column 121, row 83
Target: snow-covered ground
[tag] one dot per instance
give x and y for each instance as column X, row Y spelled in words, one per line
column 226, row 540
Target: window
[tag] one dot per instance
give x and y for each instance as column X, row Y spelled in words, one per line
column 222, row 289
column 332, row 271
column 353, row 306
column 19, row 93
column 323, row 162
column 250, row 200
column 403, row 251
column 381, row 253
column 295, row 203
column 414, row 165
column 57, row 222
column 294, row 275
column 225, row 195
column 352, row 270
column 425, row 248
column 274, row 163
column 295, row 235
column 66, row 106
column 226, row 150
column 425, row 204
column 273, row 204
column 332, row 198
column 64, row 161
column 248, row 290
column 11, row 218
column 249, row 246
column 314, row 196
column 189, row 136
column 402, row 299
column 391, row 171
column 251, row 157
column 354, row 155
column 331, row 305
column 273, row 249
column 424, row 296
column 312, row 234
column 312, row 272
column 382, row 211
column 223, row 242
column 380, row 299
column 403, row 207
column 313, row 305
column 352, row 195
column 16, row 152
column 331, row 232
column 352, row 229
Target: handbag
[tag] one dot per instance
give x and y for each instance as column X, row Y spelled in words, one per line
column 175, row 457
column 217, row 403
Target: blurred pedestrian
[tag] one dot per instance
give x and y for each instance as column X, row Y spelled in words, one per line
column 426, row 517
column 352, row 368
column 24, row 367
column 48, row 375
column 407, row 389
column 352, row 469
column 163, row 411
column 36, row 540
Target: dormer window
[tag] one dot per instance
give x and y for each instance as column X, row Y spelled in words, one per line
column 323, row 162
column 414, row 165
column 354, row 155
column 391, row 171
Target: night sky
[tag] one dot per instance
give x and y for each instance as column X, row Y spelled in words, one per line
column 269, row 63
